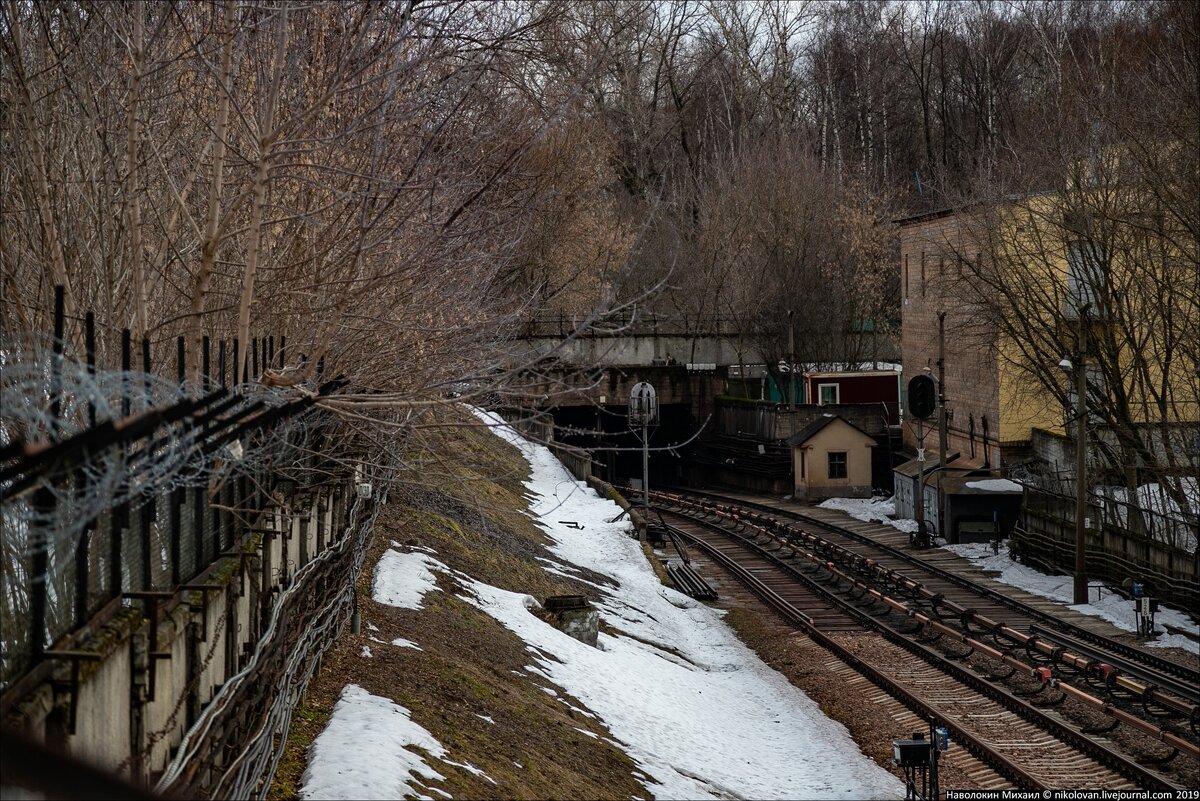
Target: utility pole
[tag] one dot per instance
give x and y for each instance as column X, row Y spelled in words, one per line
column 791, row 364
column 1081, row 583
column 919, row 495
column 942, row 522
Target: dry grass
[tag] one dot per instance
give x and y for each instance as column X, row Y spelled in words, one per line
column 468, row 666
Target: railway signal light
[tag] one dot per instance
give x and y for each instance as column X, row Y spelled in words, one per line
column 922, row 397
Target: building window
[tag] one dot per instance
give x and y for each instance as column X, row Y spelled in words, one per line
column 828, row 393
column 922, row 273
column 906, row 275
column 837, row 464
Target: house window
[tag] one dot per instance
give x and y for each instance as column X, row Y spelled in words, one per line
column 906, row 275
column 827, row 393
column 1086, row 261
column 837, row 464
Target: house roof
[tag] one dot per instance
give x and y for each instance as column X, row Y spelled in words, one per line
column 816, row 426
column 854, row 374
column 960, row 466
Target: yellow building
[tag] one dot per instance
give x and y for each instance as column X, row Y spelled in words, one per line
column 1015, row 282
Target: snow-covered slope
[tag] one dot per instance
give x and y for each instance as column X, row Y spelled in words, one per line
column 696, row 710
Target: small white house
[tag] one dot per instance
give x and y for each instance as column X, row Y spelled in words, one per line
column 831, row 458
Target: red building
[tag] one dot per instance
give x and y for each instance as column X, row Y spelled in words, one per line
column 862, row 386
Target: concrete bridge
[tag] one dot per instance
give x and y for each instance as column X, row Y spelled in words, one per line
column 641, row 340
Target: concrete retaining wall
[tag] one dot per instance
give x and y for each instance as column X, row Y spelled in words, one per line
column 206, row 631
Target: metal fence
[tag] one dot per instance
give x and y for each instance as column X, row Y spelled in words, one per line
column 639, row 324
column 117, row 485
column 1122, row 541
column 234, row 747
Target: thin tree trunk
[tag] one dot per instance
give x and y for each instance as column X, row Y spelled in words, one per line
column 266, row 141
column 133, row 209
column 212, row 239
column 50, row 233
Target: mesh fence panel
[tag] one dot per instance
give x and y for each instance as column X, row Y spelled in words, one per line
column 60, row 588
column 131, row 553
column 188, row 556
column 160, row 547
column 14, row 591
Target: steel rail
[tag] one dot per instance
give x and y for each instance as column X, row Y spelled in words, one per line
column 1064, row 732
column 977, row 747
column 1134, row 655
column 1059, row 654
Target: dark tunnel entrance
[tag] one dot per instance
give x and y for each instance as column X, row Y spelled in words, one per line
column 617, row 451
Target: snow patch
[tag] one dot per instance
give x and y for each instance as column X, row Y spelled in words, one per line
column 402, row 579
column 995, row 485
column 712, row 681
column 871, row 510
column 1108, row 605
column 403, row 643
column 366, row 651
column 366, row 751
column 469, row 768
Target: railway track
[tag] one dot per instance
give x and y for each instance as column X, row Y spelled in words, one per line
column 1011, row 735
column 1158, row 689
column 956, row 589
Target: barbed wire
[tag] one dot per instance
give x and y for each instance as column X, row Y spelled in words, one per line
column 85, row 453
column 50, row 398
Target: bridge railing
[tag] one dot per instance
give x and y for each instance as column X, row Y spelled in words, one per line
column 641, row 324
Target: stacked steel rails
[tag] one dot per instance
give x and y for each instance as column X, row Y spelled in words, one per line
column 829, row 590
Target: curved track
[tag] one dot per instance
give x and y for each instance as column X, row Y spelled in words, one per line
column 1164, row 690
column 1010, row 734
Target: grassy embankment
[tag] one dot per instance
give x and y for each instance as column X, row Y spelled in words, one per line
column 463, row 498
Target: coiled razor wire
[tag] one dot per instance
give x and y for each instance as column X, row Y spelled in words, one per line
column 42, row 403
column 48, row 397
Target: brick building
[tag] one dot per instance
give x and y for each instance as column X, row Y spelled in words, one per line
column 1002, row 414
column 932, row 247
